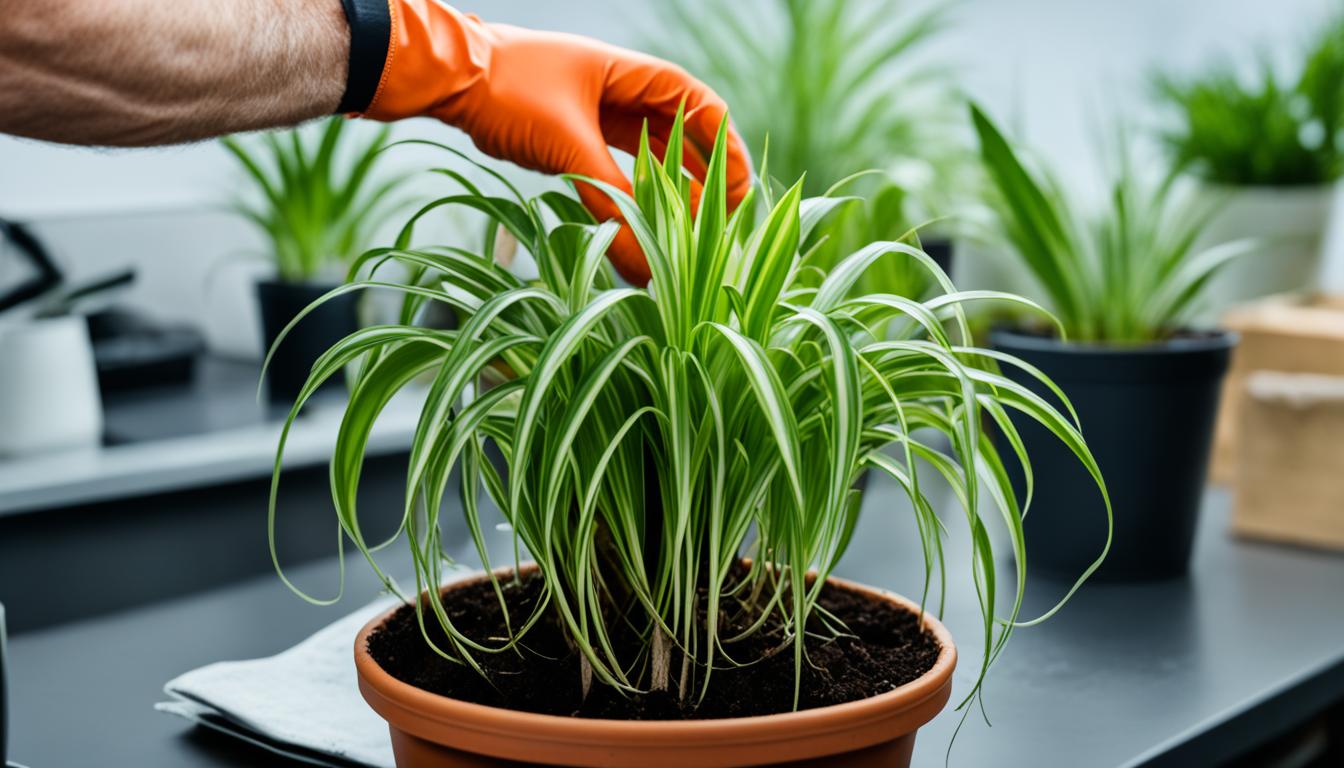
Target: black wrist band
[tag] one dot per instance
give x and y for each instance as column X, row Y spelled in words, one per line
column 370, row 35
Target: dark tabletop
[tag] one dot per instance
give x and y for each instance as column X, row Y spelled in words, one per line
column 1179, row 673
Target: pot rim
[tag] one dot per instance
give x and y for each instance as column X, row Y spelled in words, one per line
column 316, row 282
column 1212, row 340
column 398, row 695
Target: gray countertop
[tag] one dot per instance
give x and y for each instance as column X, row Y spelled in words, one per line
column 1179, row 673
column 210, row 432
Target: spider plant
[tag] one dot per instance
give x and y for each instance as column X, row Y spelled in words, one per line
column 747, row 406
column 1267, row 129
column 1132, row 275
column 321, row 200
column 835, row 87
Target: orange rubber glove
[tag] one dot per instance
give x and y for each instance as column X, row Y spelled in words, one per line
column 550, row 102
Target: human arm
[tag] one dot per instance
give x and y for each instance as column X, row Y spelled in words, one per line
column 145, row 72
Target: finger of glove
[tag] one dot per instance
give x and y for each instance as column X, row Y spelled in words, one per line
column 596, row 162
column 702, row 125
column 705, row 111
column 623, row 132
column 643, row 85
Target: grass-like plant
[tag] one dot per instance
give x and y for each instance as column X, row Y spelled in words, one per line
column 320, row 201
column 747, row 406
column 1266, row 129
column 835, row 88
column 1130, row 275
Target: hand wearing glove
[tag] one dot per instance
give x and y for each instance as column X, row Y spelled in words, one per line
column 547, row 101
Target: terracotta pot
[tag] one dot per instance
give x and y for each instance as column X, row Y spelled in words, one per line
column 432, row 731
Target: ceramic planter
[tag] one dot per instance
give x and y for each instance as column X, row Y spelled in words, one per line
column 432, row 731
column 1147, row 413
column 280, row 302
column 49, row 397
column 1290, row 221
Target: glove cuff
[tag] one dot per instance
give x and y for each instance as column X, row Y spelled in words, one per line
column 370, row 37
column 436, row 60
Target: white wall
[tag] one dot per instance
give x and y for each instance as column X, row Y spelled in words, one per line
column 1051, row 68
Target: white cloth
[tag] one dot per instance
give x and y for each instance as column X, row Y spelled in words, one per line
column 303, row 703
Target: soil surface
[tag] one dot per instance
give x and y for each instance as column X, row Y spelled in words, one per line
column 887, row 649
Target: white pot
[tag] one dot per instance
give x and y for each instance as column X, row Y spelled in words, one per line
column 48, row 387
column 1291, row 222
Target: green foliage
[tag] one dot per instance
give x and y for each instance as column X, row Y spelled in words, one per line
column 836, row 87
column 1263, row 130
column 855, row 217
column 314, row 212
column 745, row 404
column 1131, row 275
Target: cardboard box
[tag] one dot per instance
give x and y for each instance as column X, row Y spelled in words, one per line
column 1282, row 333
column 1290, row 478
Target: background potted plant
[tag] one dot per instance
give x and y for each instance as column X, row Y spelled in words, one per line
column 1143, row 384
column 643, row 443
column 320, row 200
column 845, row 97
column 1270, row 149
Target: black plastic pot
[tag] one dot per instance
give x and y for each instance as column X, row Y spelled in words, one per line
column 280, row 303
column 4, row 697
column 1147, row 413
column 940, row 250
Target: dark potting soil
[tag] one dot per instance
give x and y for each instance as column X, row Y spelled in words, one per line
column 888, row 649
